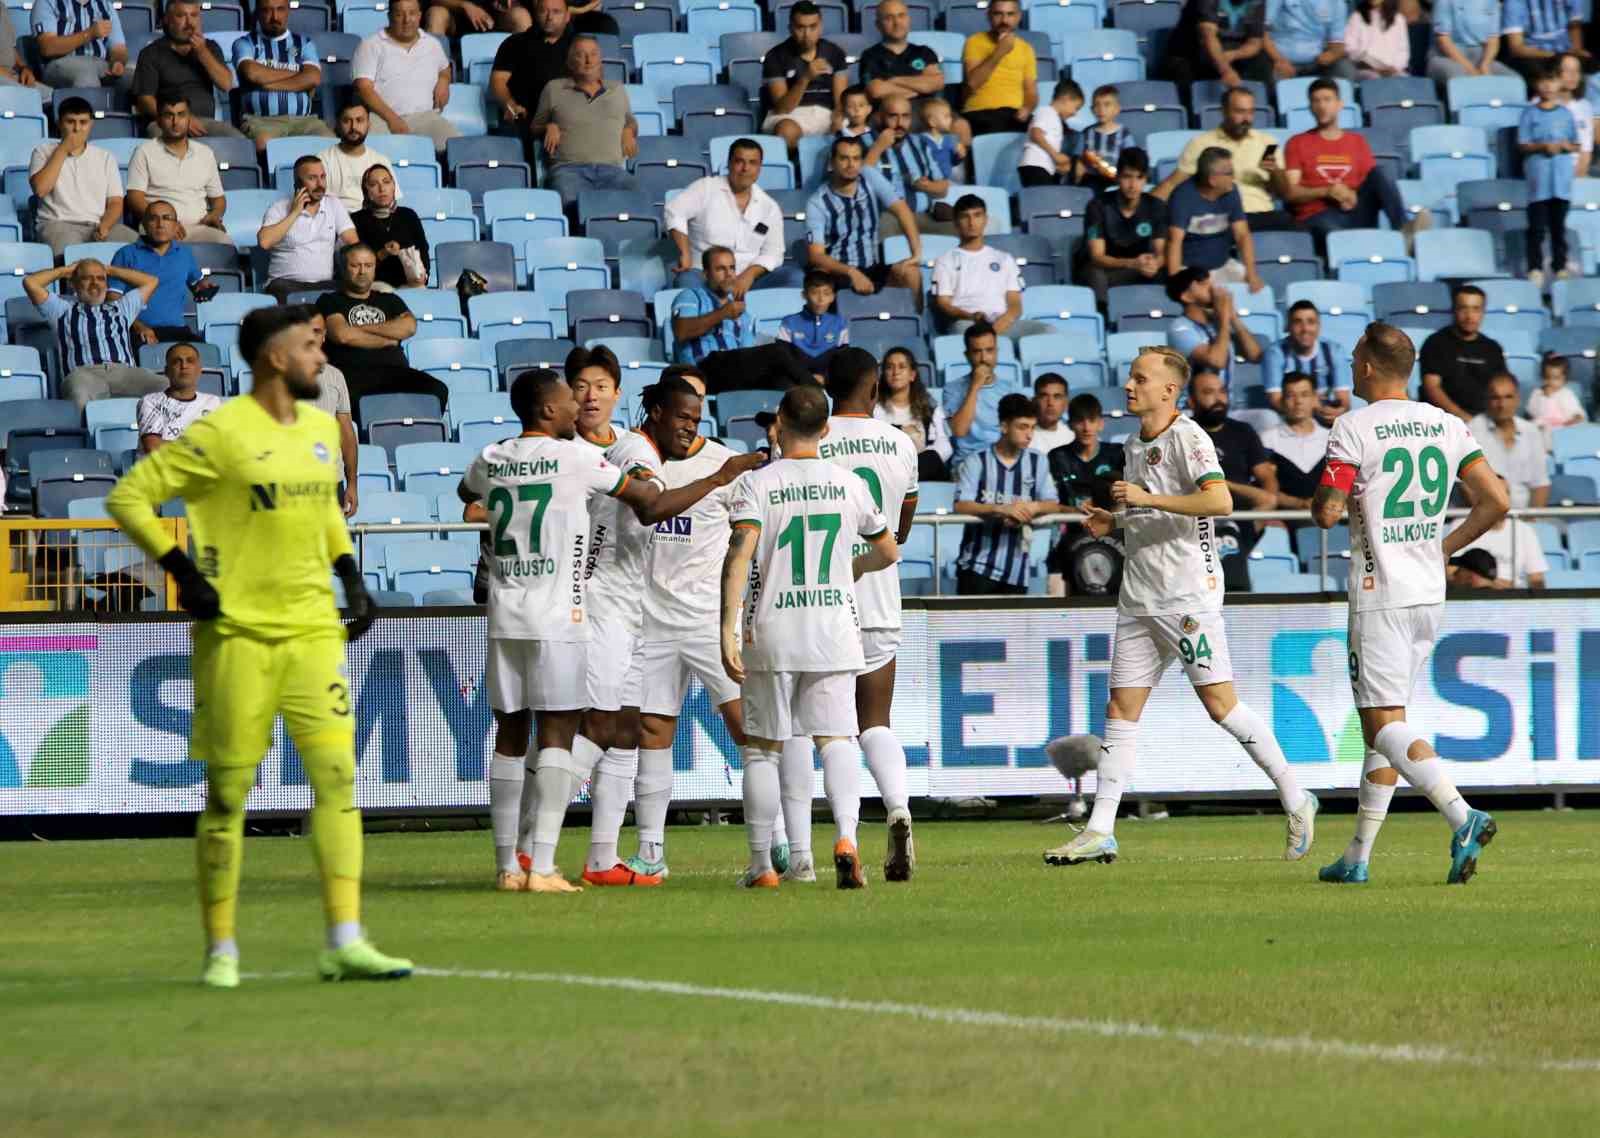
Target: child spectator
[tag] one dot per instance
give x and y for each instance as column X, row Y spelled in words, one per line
column 1085, row 468
column 938, row 127
column 1581, row 109
column 1103, row 143
column 1546, row 135
column 814, row 331
column 1555, row 405
column 1049, row 158
column 857, row 112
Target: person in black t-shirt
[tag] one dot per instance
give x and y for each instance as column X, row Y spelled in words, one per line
column 365, row 331
column 390, row 230
column 1246, row 466
column 1126, row 230
column 896, row 66
column 803, row 80
column 1084, row 471
column 1459, row 361
column 526, row 61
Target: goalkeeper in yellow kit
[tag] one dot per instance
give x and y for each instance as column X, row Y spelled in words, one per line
column 260, row 477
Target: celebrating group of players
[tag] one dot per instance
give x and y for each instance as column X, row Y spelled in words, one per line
column 621, row 565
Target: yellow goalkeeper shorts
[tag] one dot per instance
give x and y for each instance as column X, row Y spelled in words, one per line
column 241, row 684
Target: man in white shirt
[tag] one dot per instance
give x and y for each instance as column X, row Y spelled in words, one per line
column 164, row 415
column 302, row 233
column 976, row 282
column 78, row 185
column 1297, row 445
column 1050, row 429
column 1518, row 557
column 182, row 171
column 1513, row 445
column 333, row 396
column 732, row 211
column 404, row 77
column 348, row 162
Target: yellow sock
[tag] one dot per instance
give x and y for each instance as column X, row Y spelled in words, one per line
column 219, row 849
column 335, row 826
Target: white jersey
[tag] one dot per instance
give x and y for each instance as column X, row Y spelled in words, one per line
column 1404, row 458
column 619, row 543
column 684, row 594
column 537, row 490
column 886, row 460
column 1172, row 564
column 161, row 415
column 800, row 611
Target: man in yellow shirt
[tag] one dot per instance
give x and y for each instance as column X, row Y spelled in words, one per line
column 1000, row 80
column 1252, row 168
column 261, row 485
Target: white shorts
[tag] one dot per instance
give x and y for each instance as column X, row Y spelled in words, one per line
column 1147, row 644
column 613, row 669
column 810, row 120
column 536, row 675
column 879, row 646
column 782, row 705
column 1388, row 648
column 665, row 668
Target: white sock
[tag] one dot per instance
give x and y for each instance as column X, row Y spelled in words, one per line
column 1427, row 775
column 1261, row 745
column 609, row 794
column 340, row 933
column 1372, row 807
column 585, row 756
column 795, row 782
column 780, row 832
column 652, row 794
column 527, row 805
column 557, row 784
column 1118, row 751
column 841, row 782
column 760, row 805
column 886, row 759
column 226, row 947
column 505, row 806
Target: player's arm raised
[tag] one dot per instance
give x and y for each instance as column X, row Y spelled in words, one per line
column 671, row 503
column 185, row 469
column 1489, row 504
column 735, row 578
column 1211, row 500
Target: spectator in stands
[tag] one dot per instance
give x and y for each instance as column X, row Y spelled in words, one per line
column 1216, row 39
column 730, row 211
column 895, row 65
column 1377, row 39
column 1458, row 361
column 1209, row 333
column 1298, row 446
column 393, row 232
column 1304, row 352
column 93, row 331
column 80, row 43
column 713, row 330
column 1472, row 569
column 842, row 226
column 588, row 130
column 347, row 163
column 403, row 76
column 1007, row 485
column 1050, row 429
column 1206, row 226
column 857, row 113
column 365, row 330
column 1307, row 38
column 1518, row 555
column 302, row 232
column 1534, row 34
column 977, row 283
column 1050, row 156
column 1547, row 136
column 939, row 122
column 1251, row 477
column 1000, row 80
column 1085, row 468
column 803, row 79
column 181, row 171
column 1248, row 147
column 160, row 254
column 78, row 185
column 14, row 70
column 1466, row 40
column 1555, row 405
column 1514, row 446
column 972, row 402
column 525, row 62
column 904, row 402
column 1574, row 97
column 910, row 163
column 1329, row 179
column 1101, row 146
column 456, row 18
column 1127, row 234
column 816, row 331
column 164, row 415
column 333, row 396
column 279, row 72
column 183, row 62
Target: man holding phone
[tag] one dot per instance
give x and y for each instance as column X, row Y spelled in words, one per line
column 302, row 233
column 172, row 263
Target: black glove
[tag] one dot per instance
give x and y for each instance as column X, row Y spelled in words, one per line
column 195, row 593
column 358, row 601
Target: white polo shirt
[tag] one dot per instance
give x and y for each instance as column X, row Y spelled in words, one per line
column 404, row 74
column 977, row 281
column 1529, row 560
column 1522, row 464
column 1305, row 451
column 86, row 183
column 346, row 171
column 185, row 182
column 708, row 215
column 306, row 251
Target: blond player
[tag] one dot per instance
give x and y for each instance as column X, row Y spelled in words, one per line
column 1393, row 463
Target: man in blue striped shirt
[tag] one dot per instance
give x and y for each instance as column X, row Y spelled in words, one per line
column 278, row 74
column 1532, row 32
column 842, row 220
column 1007, row 485
column 713, row 330
column 92, row 332
column 81, row 41
column 910, row 164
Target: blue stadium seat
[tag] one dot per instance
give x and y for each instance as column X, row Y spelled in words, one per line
column 732, row 405
column 556, row 267
column 1059, row 21
column 1499, row 93
column 1071, row 308
column 614, row 216
column 890, row 312
column 1574, row 301
column 995, row 158
column 1446, row 156
column 419, row 566
column 1515, row 303
column 431, row 469
column 494, row 259
column 19, row 258
column 742, row 54
column 1581, row 441
column 1397, row 91
column 1035, row 256
column 1139, row 300
column 228, row 310
column 1370, row 256
column 499, row 316
column 372, row 471
column 1077, row 357
column 438, row 311
column 1447, row 253
column 768, row 306
column 606, row 312
column 384, row 509
column 441, row 204
column 1404, row 117
column 1479, row 200
column 1053, row 212
column 897, row 248
column 1292, row 94
column 245, row 209
column 531, row 351
column 477, row 55
column 709, row 19
column 1399, row 302
column 487, row 150
column 665, row 60
column 455, row 359
column 21, row 363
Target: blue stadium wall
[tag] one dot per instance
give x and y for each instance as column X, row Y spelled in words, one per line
column 94, row 716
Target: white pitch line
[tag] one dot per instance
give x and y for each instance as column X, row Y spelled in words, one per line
column 971, row 1017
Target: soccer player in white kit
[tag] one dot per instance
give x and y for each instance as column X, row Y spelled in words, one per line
column 1170, row 605
column 885, row 458
column 793, row 548
column 536, row 489
column 1393, row 463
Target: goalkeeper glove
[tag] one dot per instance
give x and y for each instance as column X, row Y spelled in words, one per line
column 195, row 593
column 357, row 599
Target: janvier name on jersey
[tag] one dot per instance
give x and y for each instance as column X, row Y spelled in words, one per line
column 810, row 598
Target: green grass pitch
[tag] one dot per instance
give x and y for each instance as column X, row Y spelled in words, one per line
column 1232, row 994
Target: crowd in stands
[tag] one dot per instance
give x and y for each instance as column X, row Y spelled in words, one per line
column 1001, row 200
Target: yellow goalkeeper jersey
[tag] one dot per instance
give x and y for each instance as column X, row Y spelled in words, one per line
column 264, row 514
